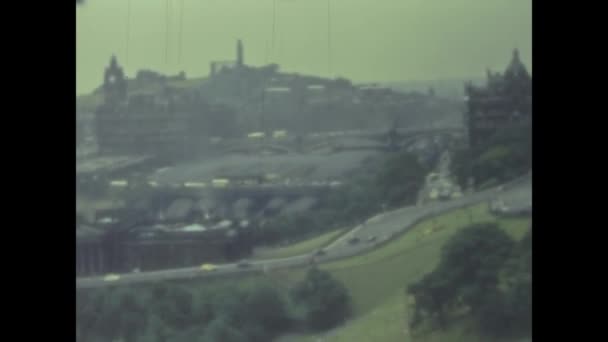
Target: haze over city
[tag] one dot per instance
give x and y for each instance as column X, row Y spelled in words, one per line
column 379, row 41
column 303, row 170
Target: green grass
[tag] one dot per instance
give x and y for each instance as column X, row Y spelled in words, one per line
column 299, row 248
column 377, row 280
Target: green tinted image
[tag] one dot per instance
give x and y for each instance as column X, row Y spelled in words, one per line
column 303, row 170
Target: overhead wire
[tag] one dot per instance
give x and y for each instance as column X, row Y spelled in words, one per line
column 181, row 28
column 128, row 32
column 328, row 90
column 265, row 83
column 166, row 31
column 274, row 23
column 329, row 38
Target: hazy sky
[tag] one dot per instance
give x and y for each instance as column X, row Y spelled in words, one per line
column 371, row 40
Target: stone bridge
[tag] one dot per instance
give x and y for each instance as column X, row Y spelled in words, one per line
column 339, row 141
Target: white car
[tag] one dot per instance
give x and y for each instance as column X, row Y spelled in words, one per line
column 111, row 277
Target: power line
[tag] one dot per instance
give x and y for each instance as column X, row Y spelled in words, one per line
column 166, row 31
column 274, row 21
column 128, row 29
column 328, row 91
column 329, row 38
column 181, row 25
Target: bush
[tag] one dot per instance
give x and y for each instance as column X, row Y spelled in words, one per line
column 482, row 269
column 269, row 307
column 324, row 301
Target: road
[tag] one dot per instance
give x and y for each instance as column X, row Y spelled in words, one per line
column 383, row 227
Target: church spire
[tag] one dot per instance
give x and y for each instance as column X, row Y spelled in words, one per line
column 516, row 68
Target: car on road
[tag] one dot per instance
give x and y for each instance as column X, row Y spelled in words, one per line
column 208, row 267
column 432, row 178
column 243, row 264
column 444, row 193
column 111, row 277
column 498, row 206
column 353, row 240
column 320, row 252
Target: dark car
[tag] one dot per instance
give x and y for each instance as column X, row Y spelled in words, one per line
column 354, row 240
column 320, row 252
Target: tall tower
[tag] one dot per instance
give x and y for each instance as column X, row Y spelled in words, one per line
column 239, row 53
column 114, row 84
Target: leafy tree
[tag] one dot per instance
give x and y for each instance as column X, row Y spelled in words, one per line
column 89, row 306
column 460, row 166
column 269, row 307
column 220, row 330
column 324, row 300
column 203, row 309
column 471, row 260
column 157, row 331
column 173, row 305
column 467, row 274
column 433, row 295
column 401, row 178
column 123, row 315
column 227, row 304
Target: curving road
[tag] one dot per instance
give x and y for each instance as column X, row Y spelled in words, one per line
column 383, row 227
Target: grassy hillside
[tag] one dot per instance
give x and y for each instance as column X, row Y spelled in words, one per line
column 299, row 248
column 377, row 281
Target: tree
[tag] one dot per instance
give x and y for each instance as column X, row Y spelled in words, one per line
column 89, row 306
column 173, row 305
column 471, row 260
column 220, row 329
column 401, row 178
column 228, row 304
column 269, row 307
column 122, row 316
column 324, row 300
column 461, row 166
column 467, row 275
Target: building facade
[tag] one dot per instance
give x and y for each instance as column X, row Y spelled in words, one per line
column 163, row 125
column 505, row 101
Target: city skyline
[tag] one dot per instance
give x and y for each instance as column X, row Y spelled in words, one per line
column 370, row 42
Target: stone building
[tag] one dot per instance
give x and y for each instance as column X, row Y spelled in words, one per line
column 505, row 101
column 219, row 66
column 167, row 124
column 89, row 251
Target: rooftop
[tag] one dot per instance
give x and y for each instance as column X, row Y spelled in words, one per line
column 107, row 164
